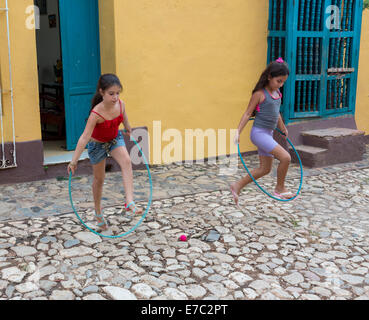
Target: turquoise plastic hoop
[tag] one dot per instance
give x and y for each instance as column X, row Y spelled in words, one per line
column 261, row 188
column 143, row 216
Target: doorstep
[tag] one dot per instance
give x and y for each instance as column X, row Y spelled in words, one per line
column 64, row 157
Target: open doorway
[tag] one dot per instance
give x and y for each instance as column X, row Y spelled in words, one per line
column 50, row 75
column 68, row 54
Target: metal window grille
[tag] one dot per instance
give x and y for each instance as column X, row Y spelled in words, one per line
column 320, row 40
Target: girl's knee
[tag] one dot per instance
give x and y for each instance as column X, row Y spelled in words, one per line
column 265, row 171
column 287, row 158
column 125, row 161
column 99, row 180
column 282, row 155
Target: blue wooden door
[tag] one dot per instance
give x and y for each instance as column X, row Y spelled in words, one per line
column 79, row 29
column 320, row 40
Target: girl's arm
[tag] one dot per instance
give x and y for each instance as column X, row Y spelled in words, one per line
column 281, row 126
column 126, row 124
column 82, row 142
column 256, row 98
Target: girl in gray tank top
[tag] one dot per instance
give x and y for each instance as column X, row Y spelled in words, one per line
column 265, row 106
column 267, row 114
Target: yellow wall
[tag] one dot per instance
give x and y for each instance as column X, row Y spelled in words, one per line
column 362, row 102
column 24, row 70
column 107, row 36
column 190, row 64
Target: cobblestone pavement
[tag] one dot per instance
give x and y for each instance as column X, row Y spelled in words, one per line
column 315, row 247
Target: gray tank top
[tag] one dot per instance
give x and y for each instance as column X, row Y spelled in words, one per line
column 268, row 115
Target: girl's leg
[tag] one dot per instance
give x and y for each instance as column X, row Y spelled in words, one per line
column 121, row 156
column 97, row 188
column 264, row 169
column 285, row 159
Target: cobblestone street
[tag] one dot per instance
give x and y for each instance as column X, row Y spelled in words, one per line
column 315, row 247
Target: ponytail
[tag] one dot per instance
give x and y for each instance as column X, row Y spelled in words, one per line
column 96, row 100
column 263, row 81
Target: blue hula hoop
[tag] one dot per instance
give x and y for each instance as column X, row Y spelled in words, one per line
column 143, row 216
column 261, row 188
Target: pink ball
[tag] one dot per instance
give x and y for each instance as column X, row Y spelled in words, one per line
column 183, row 238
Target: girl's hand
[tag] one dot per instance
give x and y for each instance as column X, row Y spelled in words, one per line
column 285, row 132
column 236, row 138
column 127, row 132
column 72, row 167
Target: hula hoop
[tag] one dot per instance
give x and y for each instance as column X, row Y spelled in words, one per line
column 143, row 216
column 261, row 188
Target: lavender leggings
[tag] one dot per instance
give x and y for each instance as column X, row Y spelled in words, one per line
column 263, row 139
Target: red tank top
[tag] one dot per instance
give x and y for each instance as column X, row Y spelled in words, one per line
column 107, row 130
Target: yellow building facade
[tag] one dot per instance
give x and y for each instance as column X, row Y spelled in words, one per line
column 184, row 65
column 362, row 102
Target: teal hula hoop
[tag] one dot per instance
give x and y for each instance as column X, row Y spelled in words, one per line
column 143, row 216
column 261, row 188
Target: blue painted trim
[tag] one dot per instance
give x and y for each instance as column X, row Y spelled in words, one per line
column 306, row 114
column 269, row 33
column 347, row 76
column 325, row 61
column 270, row 16
column 309, row 117
column 318, row 34
column 277, row 34
column 358, row 14
column 342, row 34
column 291, row 45
column 308, row 77
column 337, row 111
column 66, row 64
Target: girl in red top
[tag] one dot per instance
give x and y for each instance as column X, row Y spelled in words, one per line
column 103, row 137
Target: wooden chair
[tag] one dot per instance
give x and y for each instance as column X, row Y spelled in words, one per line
column 53, row 116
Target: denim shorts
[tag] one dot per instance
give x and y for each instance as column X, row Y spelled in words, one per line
column 98, row 151
column 263, row 139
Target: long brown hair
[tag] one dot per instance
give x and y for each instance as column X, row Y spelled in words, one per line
column 105, row 82
column 274, row 69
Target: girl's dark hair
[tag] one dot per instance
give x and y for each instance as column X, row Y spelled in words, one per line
column 274, row 69
column 105, row 82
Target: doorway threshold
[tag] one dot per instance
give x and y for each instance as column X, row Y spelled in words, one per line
column 55, row 153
